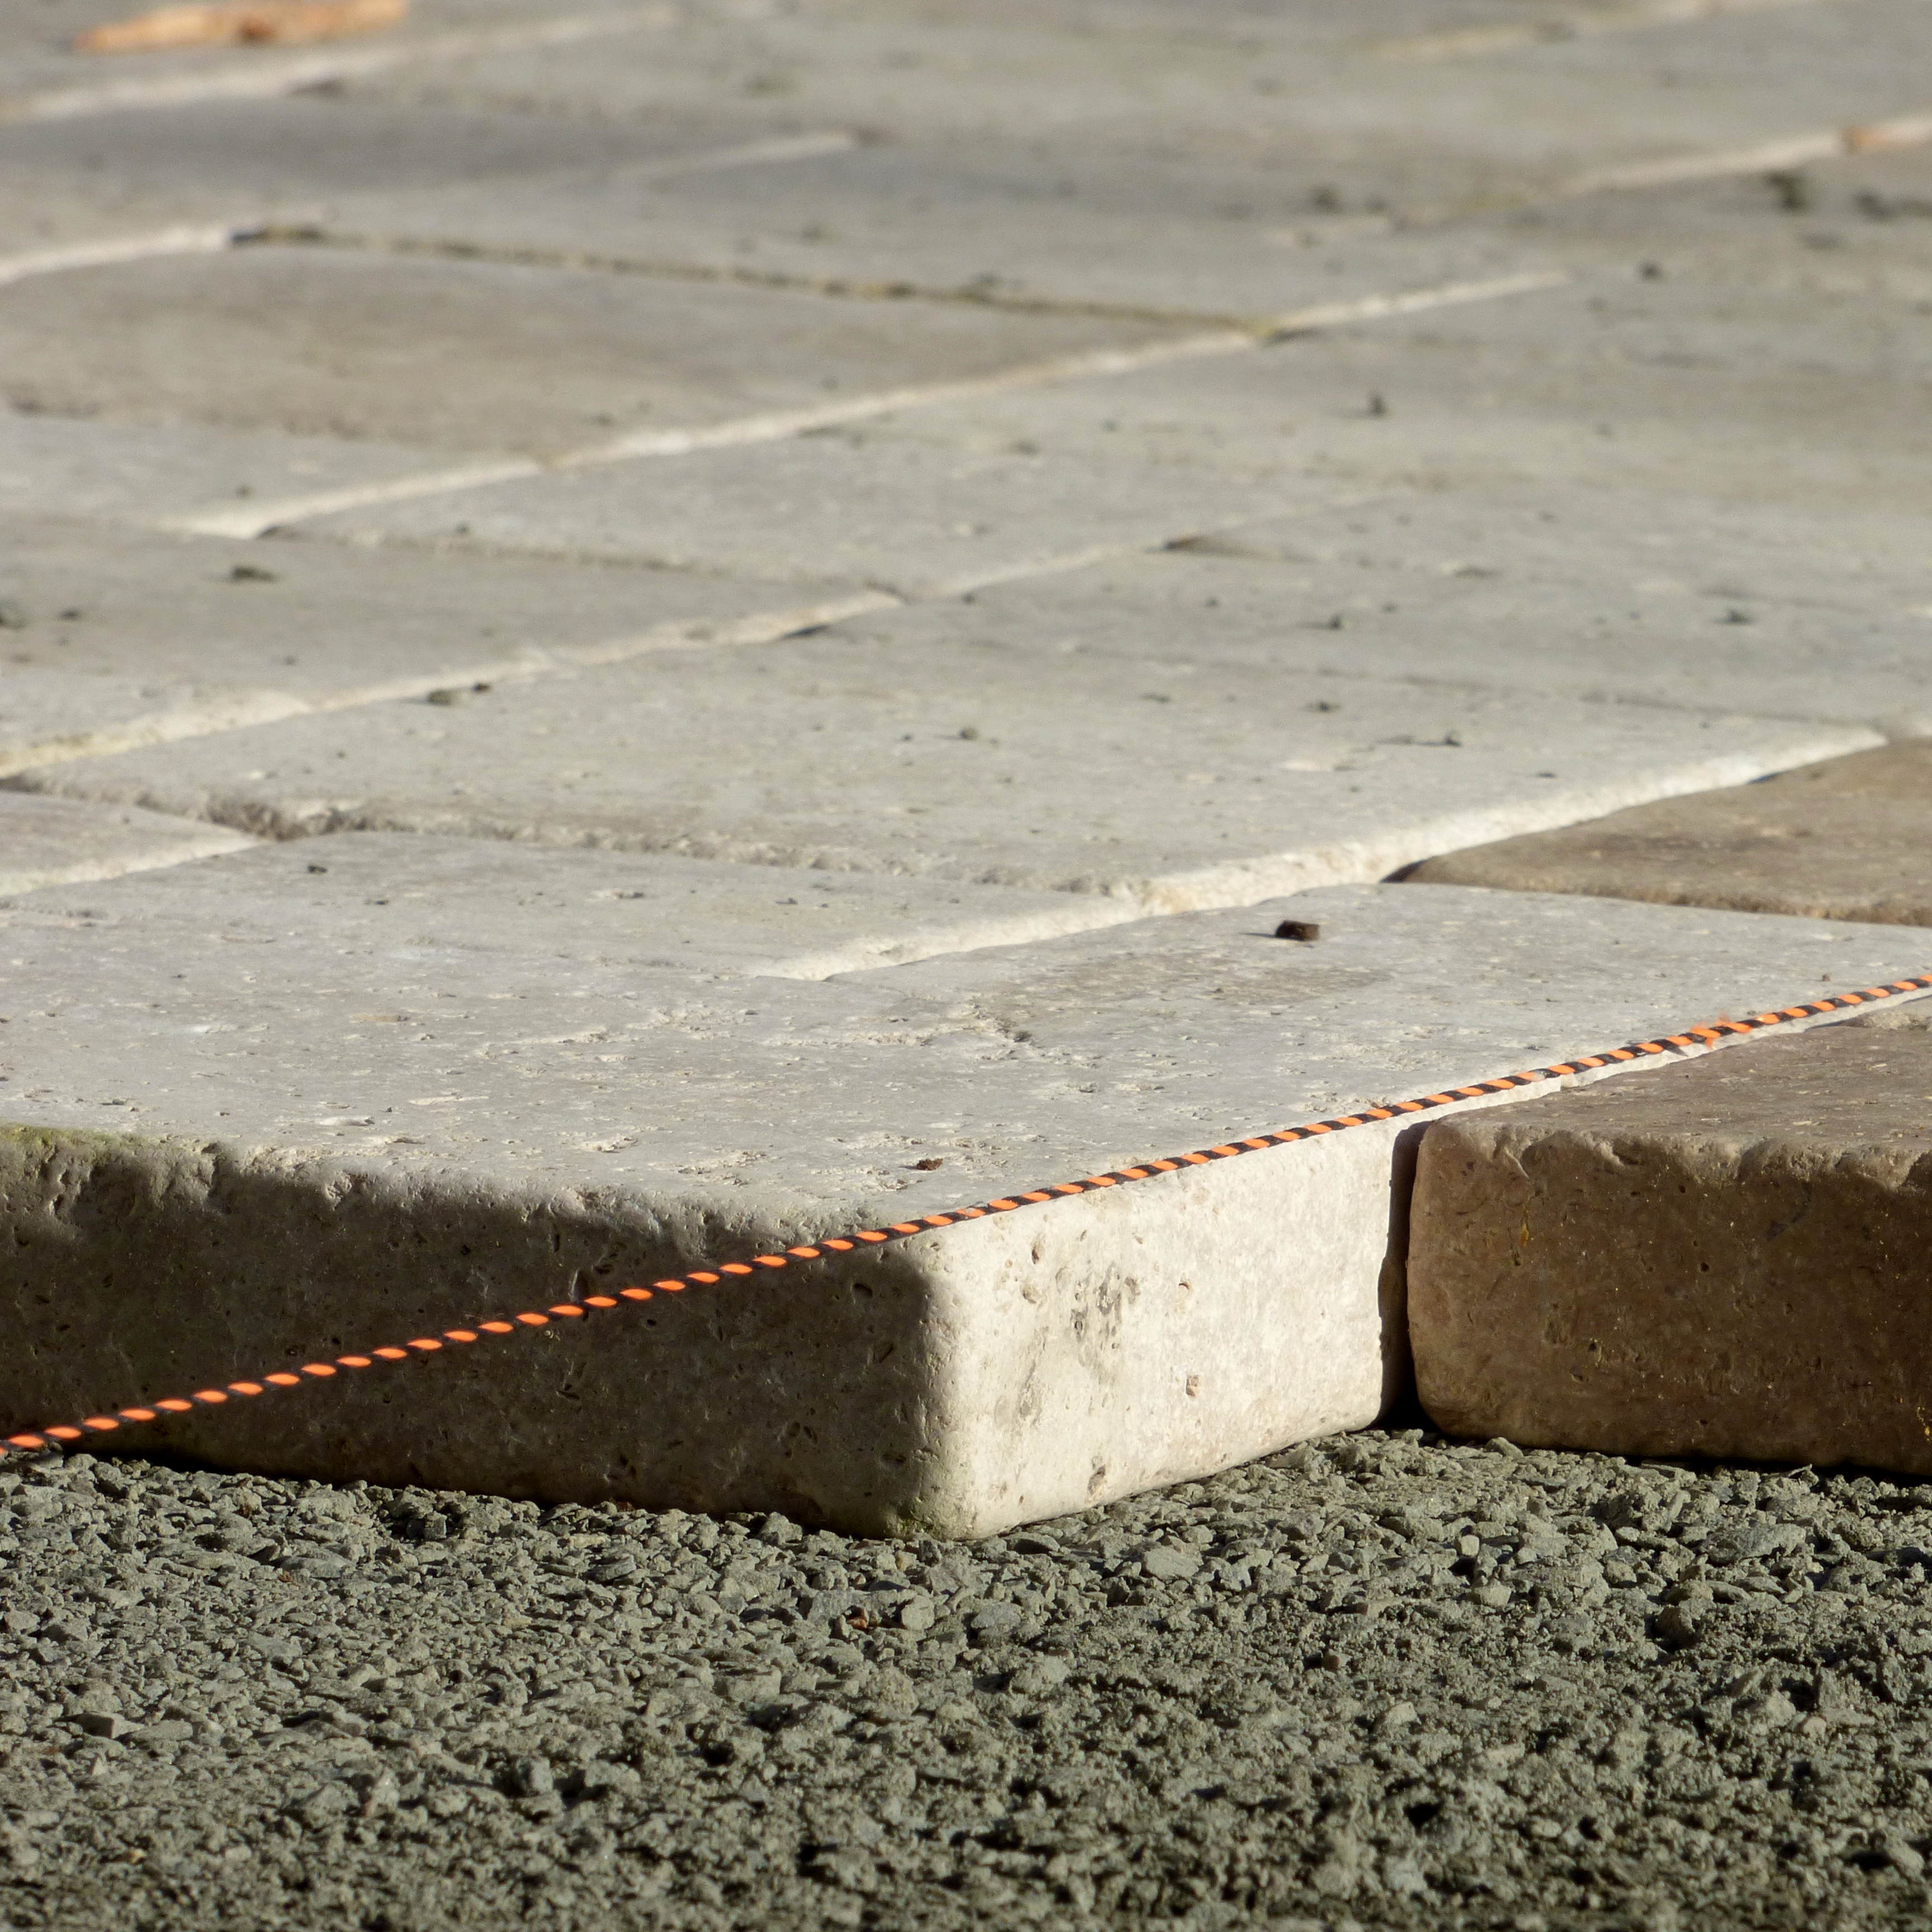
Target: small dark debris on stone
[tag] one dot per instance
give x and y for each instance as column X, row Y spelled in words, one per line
column 1306, row 930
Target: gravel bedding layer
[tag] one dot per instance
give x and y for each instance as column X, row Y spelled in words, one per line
column 1382, row 1680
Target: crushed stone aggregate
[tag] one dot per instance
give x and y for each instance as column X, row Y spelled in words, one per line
column 1380, row 1681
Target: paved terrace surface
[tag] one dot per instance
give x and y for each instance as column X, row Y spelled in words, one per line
column 636, row 636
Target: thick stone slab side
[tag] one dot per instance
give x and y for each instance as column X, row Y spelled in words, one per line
column 1851, row 838
column 225, row 1157
column 1727, row 1259
column 1183, row 785
column 59, row 842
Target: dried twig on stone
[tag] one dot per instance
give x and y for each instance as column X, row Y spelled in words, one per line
column 232, row 22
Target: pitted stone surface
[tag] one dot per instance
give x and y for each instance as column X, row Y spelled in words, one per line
column 156, row 637
column 1844, row 839
column 1183, row 783
column 462, row 356
column 1726, row 1260
column 303, row 1149
column 384, row 896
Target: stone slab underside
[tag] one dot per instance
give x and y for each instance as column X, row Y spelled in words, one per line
column 231, row 1159
column 1726, row 1260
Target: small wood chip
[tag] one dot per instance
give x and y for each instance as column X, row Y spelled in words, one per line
column 241, row 22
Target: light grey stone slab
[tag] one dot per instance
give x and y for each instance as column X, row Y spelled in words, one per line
column 143, row 637
column 222, row 1159
column 1315, row 99
column 904, row 518
column 1807, row 399
column 1177, row 784
column 59, row 842
column 378, row 895
column 1618, row 596
column 1849, row 839
column 1726, row 1260
column 990, row 221
column 51, row 465
column 474, row 357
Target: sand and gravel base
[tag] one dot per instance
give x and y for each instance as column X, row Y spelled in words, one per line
column 1384, row 1681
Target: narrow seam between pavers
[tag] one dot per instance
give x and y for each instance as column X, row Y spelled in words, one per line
column 257, row 75
column 1827, row 144
column 149, row 245
column 1693, row 1042
column 258, row 518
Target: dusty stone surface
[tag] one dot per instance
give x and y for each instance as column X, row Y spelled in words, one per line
column 1842, row 839
column 1383, row 1681
column 985, row 762
column 1725, row 1260
column 384, row 894
column 900, row 517
column 292, row 1144
column 473, row 356
column 158, row 637
column 54, row 841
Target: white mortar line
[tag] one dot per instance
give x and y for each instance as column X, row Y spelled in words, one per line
column 105, row 253
column 1910, row 131
column 257, row 519
column 257, row 75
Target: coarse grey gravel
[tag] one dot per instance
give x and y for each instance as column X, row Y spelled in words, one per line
column 1382, row 1681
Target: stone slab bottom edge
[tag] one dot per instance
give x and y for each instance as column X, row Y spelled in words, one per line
column 955, row 1375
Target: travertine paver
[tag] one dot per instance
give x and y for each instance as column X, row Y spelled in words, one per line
column 1308, row 92
column 1844, row 839
column 1593, row 593
column 130, row 473
column 386, row 896
column 1727, row 1259
column 152, row 637
column 902, row 516
column 52, row 841
column 1181, row 784
column 295, row 1151
column 475, row 356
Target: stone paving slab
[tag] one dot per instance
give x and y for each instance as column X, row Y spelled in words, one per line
column 472, row 356
column 290, row 1160
column 1183, row 785
column 1412, row 135
column 1130, row 233
column 1726, row 1260
column 59, row 842
column 156, row 637
column 902, row 517
column 1849, row 839
column 386, row 895
column 147, row 473
column 1808, row 400
column 1558, row 588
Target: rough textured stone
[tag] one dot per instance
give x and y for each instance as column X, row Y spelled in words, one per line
column 473, row 356
column 900, row 517
column 1849, row 839
column 156, row 637
column 389, row 896
column 1186, row 784
column 1726, row 1260
column 226, row 1156
column 52, row 841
